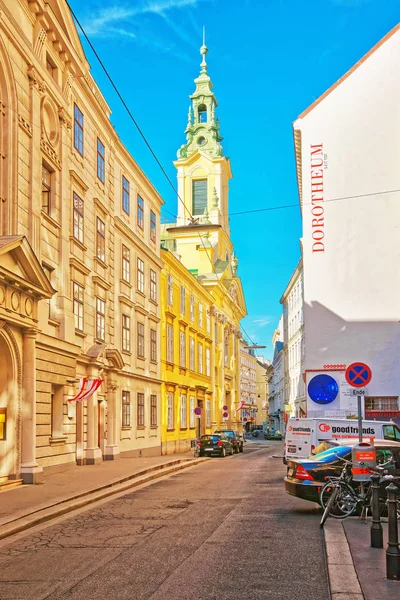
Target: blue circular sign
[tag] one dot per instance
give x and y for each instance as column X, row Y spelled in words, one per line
column 323, row 389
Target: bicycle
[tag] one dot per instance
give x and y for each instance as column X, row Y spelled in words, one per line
column 340, row 499
column 337, row 496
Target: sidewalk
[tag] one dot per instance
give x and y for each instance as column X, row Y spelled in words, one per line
column 27, row 505
column 370, row 563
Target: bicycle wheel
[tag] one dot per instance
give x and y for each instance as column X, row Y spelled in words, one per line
column 330, row 504
column 345, row 501
column 383, row 511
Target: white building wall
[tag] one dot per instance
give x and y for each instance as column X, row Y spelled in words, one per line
column 293, row 338
column 351, row 221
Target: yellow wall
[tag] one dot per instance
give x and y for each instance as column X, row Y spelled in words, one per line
column 185, row 379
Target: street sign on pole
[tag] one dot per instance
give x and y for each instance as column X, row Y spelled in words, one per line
column 197, row 412
column 358, row 375
column 225, row 416
column 359, row 391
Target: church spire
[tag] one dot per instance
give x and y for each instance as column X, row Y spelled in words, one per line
column 203, row 52
column 202, row 131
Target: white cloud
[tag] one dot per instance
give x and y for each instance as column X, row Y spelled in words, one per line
column 262, row 321
column 107, row 21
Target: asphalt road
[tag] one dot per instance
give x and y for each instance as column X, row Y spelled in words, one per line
column 222, row 530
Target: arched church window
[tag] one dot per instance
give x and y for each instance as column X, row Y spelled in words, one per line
column 202, row 113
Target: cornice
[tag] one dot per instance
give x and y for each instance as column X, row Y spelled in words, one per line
column 101, row 282
column 78, row 264
column 78, row 179
column 126, row 301
column 101, row 206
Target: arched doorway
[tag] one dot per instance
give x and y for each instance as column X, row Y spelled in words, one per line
column 9, row 417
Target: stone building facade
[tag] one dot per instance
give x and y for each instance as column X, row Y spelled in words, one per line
column 294, row 344
column 79, row 259
column 248, row 385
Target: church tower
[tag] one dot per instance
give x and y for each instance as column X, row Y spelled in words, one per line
column 202, row 233
column 203, row 170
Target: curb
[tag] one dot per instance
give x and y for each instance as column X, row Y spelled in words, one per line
column 343, row 578
column 83, row 499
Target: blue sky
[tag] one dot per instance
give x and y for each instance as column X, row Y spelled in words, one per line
column 268, row 60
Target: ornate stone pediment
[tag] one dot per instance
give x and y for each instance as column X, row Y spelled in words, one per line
column 22, row 281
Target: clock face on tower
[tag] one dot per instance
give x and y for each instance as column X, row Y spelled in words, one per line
column 201, row 141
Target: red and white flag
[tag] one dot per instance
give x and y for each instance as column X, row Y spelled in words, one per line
column 240, row 406
column 87, row 388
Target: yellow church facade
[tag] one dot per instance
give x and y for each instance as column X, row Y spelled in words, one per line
column 199, row 244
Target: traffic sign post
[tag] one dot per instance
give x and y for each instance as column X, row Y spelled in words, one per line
column 358, row 375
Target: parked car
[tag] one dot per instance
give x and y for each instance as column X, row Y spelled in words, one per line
column 219, row 444
column 235, row 437
column 272, row 434
column 257, row 431
column 306, row 476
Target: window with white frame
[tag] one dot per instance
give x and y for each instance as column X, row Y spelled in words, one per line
column 381, row 403
column 78, row 291
column 191, row 412
column 191, row 354
column 170, row 416
column 140, row 212
column 126, row 333
column 78, row 130
column 183, row 300
column 140, row 409
column 183, row 412
column 140, row 340
column 100, row 239
column 208, row 321
column 153, row 345
column 182, row 349
column 170, row 298
column 126, row 264
column 126, row 409
column 78, row 218
column 200, row 316
column 170, row 343
column 140, row 275
column 153, row 226
column 153, row 410
column 153, row 285
column 208, row 413
column 100, row 160
column 200, row 356
column 126, row 197
column 208, row 362
column 192, row 308
column 226, row 348
column 47, row 181
column 100, row 319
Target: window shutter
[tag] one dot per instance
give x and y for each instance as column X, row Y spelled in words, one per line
column 199, row 194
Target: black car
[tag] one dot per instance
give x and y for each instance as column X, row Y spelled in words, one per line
column 305, row 477
column 234, row 436
column 216, row 443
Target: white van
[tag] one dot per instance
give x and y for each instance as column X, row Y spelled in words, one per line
column 304, row 435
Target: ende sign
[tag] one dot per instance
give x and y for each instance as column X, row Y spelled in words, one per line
column 317, row 197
